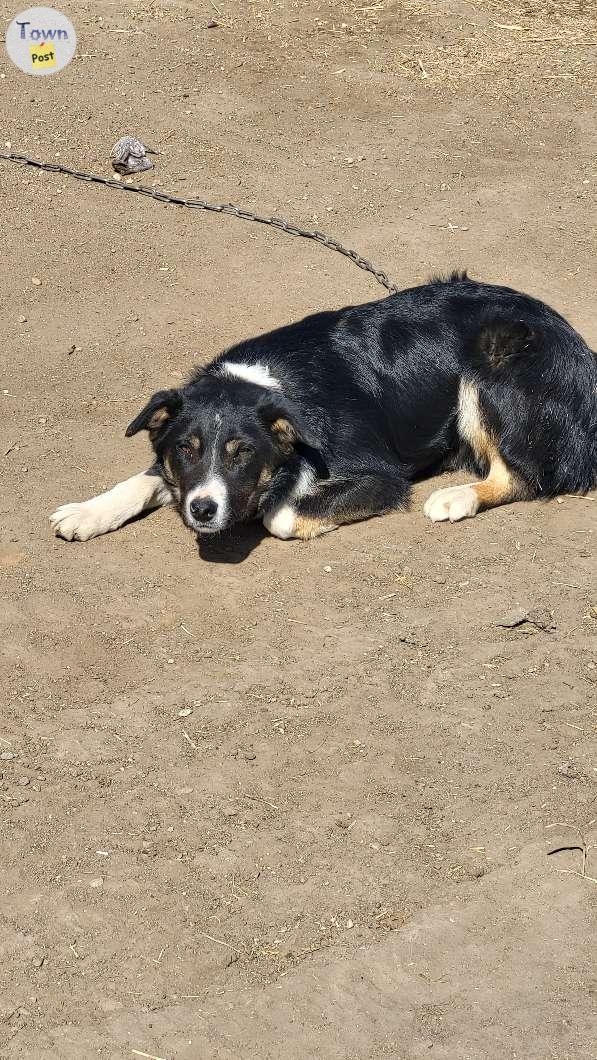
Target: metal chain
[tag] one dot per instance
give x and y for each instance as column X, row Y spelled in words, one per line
column 201, row 204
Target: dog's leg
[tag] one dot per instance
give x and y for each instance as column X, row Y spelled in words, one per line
column 329, row 504
column 501, row 485
column 463, row 502
column 82, row 520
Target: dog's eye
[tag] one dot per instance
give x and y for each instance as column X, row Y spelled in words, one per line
column 184, row 449
column 243, row 453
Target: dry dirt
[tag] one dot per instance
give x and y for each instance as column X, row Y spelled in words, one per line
column 289, row 800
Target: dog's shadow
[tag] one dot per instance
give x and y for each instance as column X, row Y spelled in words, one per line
column 231, row 546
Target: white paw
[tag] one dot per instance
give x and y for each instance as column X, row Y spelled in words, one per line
column 281, row 523
column 453, row 503
column 80, row 521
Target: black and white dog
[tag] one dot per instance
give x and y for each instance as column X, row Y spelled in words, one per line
column 331, row 419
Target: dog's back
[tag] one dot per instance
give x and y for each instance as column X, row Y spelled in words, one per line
column 389, row 375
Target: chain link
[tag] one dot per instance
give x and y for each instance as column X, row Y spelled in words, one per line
column 213, row 207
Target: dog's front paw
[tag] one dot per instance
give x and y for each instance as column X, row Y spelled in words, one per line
column 285, row 523
column 79, row 521
column 281, row 522
column 454, row 503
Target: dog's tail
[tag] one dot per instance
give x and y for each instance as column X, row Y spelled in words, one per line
column 538, row 388
column 499, row 345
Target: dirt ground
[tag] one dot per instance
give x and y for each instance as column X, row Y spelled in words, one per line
column 285, row 800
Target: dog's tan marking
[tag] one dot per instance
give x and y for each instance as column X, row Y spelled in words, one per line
column 501, row 485
column 265, row 476
column 286, row 433
column 158, row 418
column 232, row 446
column 173, row 483
column 306, row 528
column 195, row 442
column 470, row 423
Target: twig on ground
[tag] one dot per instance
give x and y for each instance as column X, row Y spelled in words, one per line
column 150, row 1056
column 219, row 941
column 188, row 739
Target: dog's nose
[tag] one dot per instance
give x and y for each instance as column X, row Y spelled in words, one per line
column 203, row 509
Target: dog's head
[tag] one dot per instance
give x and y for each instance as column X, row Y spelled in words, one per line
column 218, row 446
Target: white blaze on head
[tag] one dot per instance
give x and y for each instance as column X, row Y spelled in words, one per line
column 258, row 374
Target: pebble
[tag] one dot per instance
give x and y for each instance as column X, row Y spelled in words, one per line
column 512, row 618
column 22, row 319
column 7, row 755
column 23, row 781
column 97, row 882
column 569, row 770
column 327, row 570
column 35, row 280
column 184, row 713
column 229, row 811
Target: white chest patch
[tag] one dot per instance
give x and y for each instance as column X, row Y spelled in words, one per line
column 258, row 374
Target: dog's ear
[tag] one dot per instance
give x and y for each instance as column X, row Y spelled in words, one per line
column 284, row 422
column 159, row 410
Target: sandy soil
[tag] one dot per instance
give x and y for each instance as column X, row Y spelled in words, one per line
column 286, row 800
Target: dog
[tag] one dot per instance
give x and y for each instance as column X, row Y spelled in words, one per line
column 330, row 420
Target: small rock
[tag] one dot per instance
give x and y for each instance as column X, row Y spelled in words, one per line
column 349, row 923
column 129, row 155
column 212, row 24
column 7, row 755
column 97, row 882
column 344, row 821
column 539, row 617
column 35, row 280
column 22, row 319
column 229, row 811
column 184, row 713
column 327, row 570
column 512, row 618
column 569, row 770
column 23, row 781
column 249, row 756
